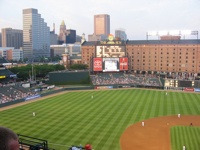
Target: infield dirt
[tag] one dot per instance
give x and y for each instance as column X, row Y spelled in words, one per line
column 155, row 134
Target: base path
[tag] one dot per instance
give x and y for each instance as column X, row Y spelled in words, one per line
column 155, row 134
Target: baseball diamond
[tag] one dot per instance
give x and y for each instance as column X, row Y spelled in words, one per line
column 74, row 118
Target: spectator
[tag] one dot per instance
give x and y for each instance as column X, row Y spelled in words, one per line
column 8, row 139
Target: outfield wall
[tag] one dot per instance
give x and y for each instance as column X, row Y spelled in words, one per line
column 69, row 77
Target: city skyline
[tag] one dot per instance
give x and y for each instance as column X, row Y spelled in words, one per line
column 135, row 17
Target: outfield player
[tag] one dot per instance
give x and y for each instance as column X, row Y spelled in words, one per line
column 184, row 147
column 33, row 114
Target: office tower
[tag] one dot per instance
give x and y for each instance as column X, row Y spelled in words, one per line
column 102, row 24
column 12, row 38
column 0, row 40
column 120, row 34
column 71, row 36
column 36, row 35
column 63, row 33
column 53, row 37
column 78, row 38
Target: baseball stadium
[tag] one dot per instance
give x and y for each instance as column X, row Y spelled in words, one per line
column 125, row 107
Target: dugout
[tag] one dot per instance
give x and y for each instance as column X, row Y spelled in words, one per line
column 69, row 77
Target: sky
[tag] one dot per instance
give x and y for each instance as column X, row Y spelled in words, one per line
column 136, row 17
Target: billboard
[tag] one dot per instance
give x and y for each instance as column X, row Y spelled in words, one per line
column 97, row 64
column 184, row 83
column 2, row 77
column 110, row 51
column 123, row 63
column 189, row 89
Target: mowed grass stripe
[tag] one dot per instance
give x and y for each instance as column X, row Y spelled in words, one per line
column 186, row 103
column 188, row 136
column 118, row 112
column 149, row 103
column 176, row 104
column 192, row 97
column 196, row 101
column 162, row 99
column 140, row 110
column 75, row 118
column 196, row 133
column 172, row 104
column 155, row 104
column 105, row 117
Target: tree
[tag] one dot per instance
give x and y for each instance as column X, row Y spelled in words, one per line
column 39, row 71
column 79, row 66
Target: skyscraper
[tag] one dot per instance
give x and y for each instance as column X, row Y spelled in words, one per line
column 102, row 24
column 71, row 36
column 12, row 38
column 36, row 35
column 121, row 34
column 63, row 33
column 53, row 37
column 0, row 40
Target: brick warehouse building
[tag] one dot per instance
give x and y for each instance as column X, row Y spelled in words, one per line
column 166, row 55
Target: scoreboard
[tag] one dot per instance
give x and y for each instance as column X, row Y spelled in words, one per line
column 110, row 56
column 110, row 64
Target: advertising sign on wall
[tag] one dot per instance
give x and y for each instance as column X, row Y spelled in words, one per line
column 123, row 63
column 197, row 89
column 97, row 64
column 189, row 89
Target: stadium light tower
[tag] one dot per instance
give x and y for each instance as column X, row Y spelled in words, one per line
column 171, row 33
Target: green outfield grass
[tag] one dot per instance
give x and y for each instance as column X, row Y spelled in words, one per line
column 188, row 136
column 75, row 118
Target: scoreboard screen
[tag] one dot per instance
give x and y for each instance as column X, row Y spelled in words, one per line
column 110, row 51
column 110, row 64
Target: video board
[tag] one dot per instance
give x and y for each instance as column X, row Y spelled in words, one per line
column 110, row 51
column 110, row 64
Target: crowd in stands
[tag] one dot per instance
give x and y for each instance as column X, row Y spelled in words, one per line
column 121, row 78
column 13, row 91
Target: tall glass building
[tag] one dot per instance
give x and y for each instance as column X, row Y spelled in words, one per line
column 36, row 35
column 102, row 24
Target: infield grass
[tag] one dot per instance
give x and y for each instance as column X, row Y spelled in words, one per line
column 76, row 118
column 187, row 136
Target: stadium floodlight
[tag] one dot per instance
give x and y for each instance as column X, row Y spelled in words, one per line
column 152, row 33
column 186, row 32
column 174, row 32
column 163, row 33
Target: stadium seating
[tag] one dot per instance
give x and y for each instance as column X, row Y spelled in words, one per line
column 121, row 78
